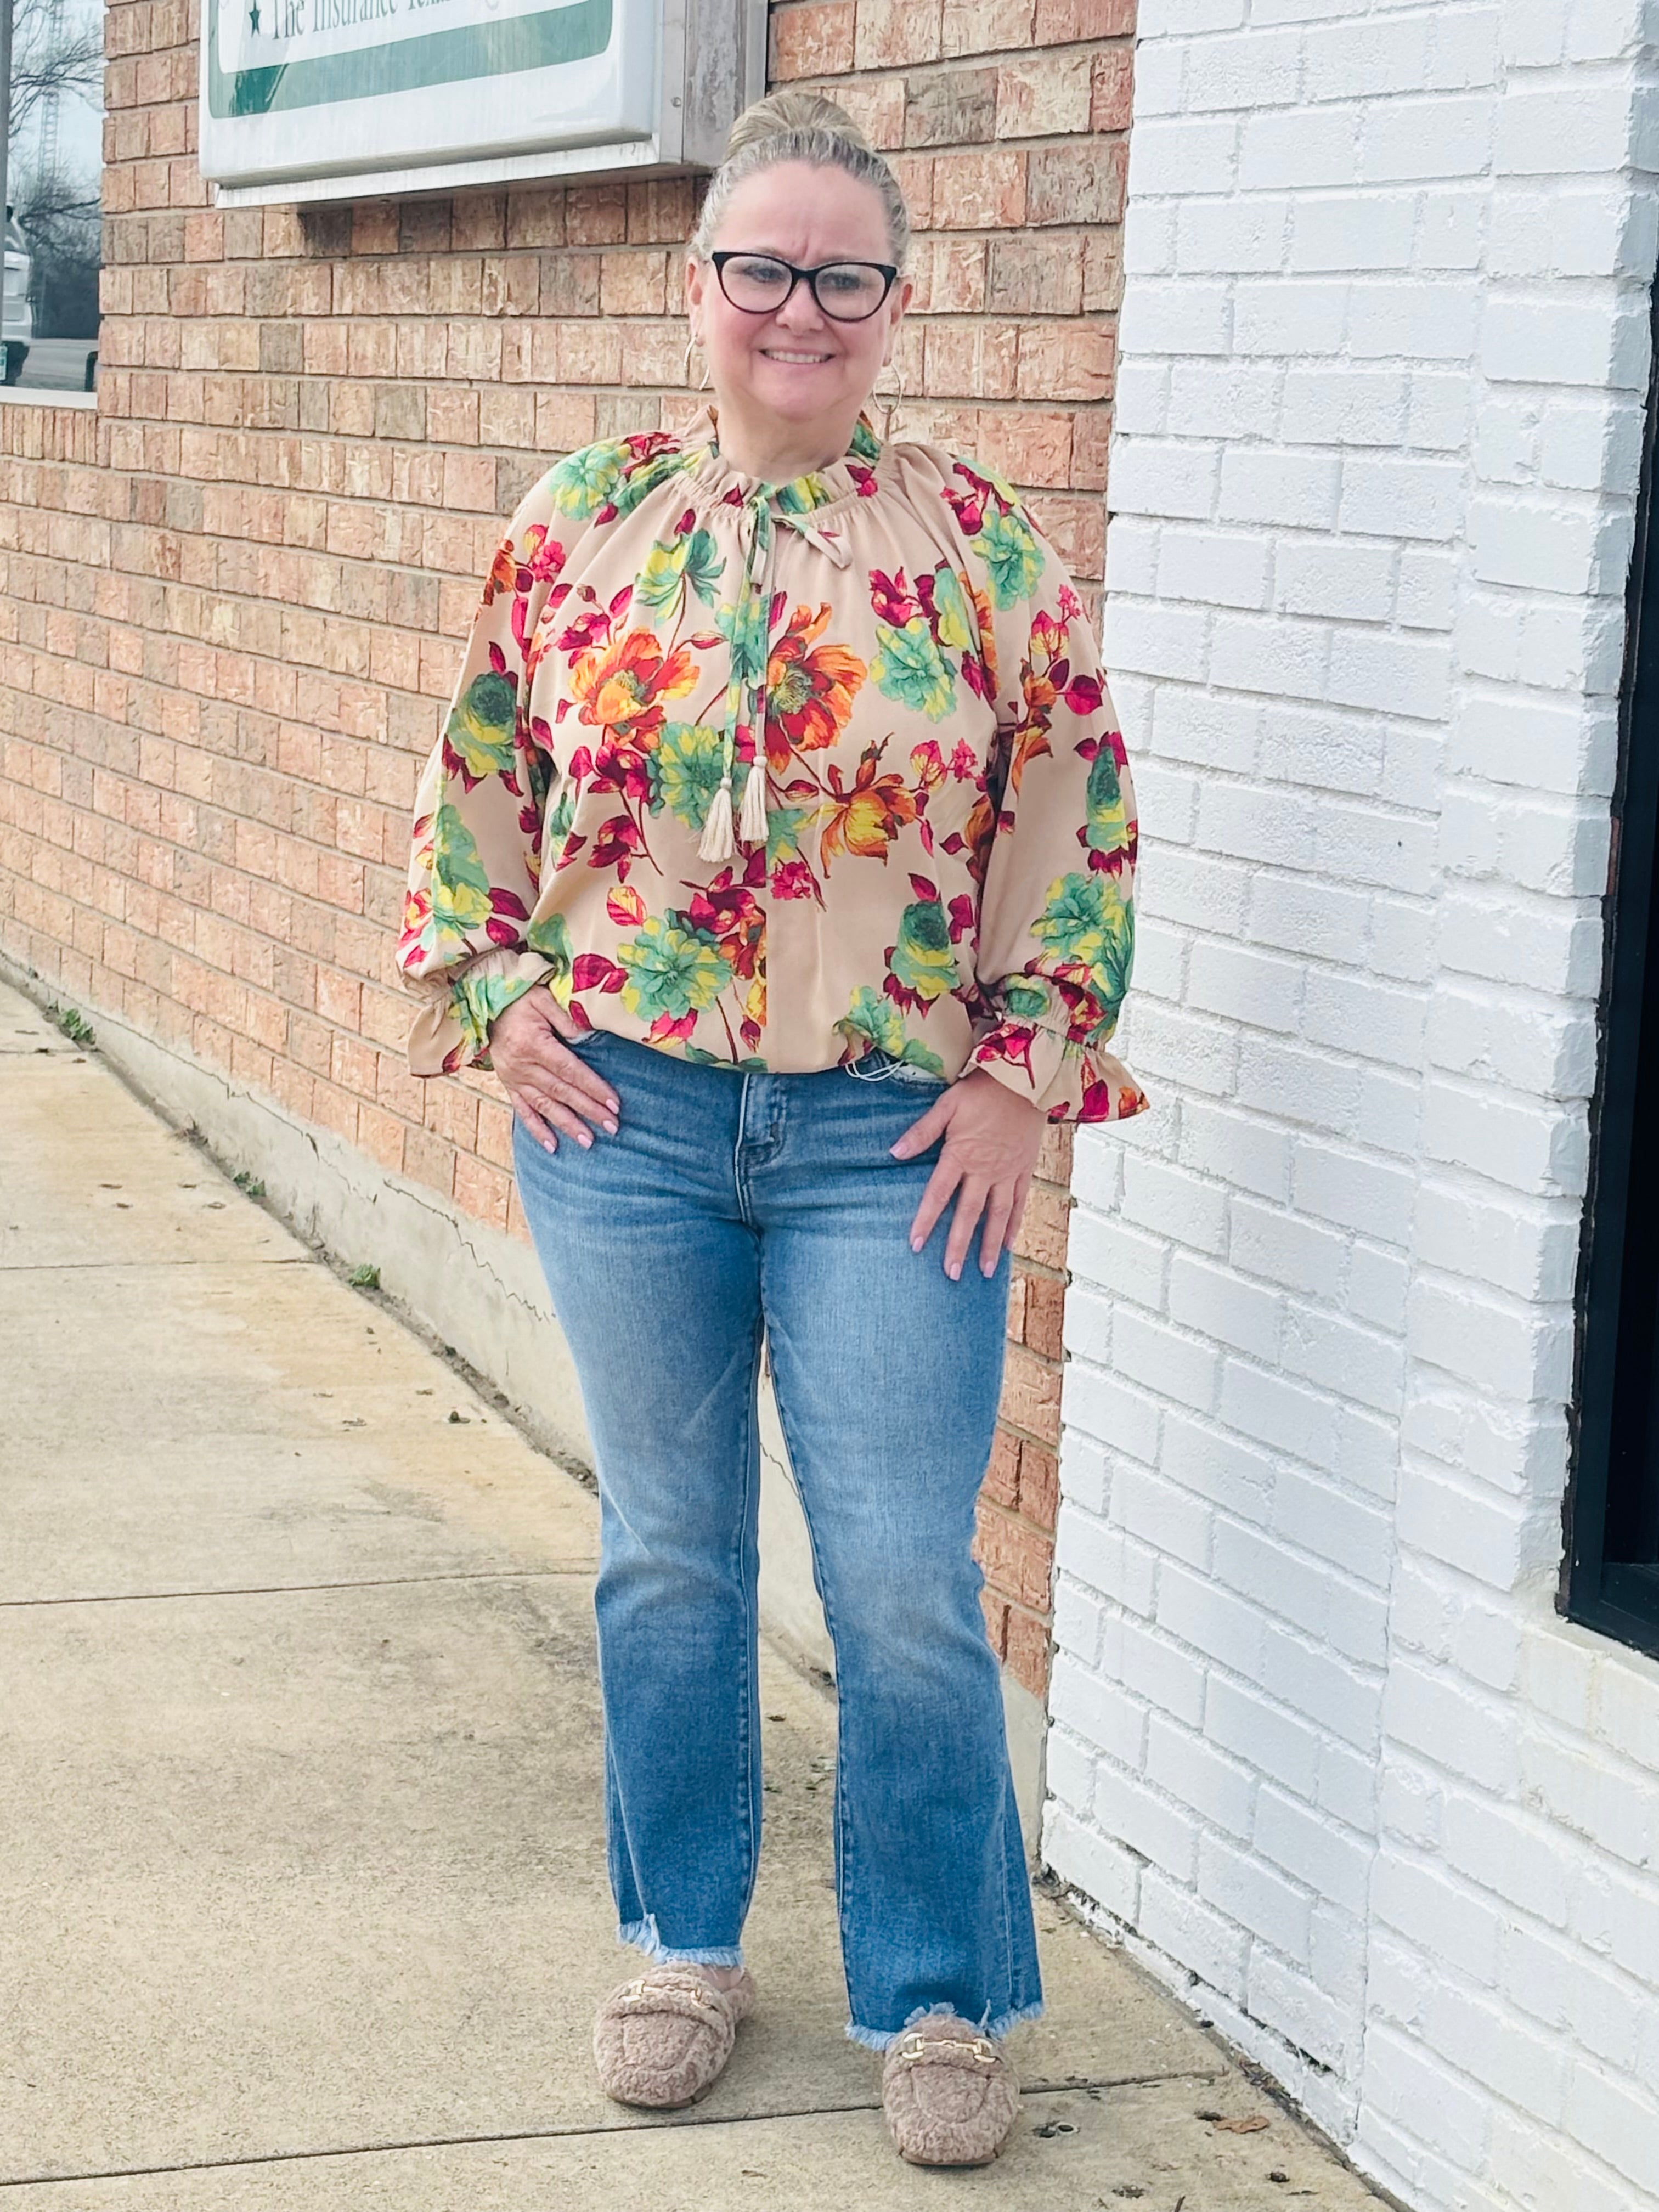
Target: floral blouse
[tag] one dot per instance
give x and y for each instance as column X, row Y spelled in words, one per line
column 772, row 776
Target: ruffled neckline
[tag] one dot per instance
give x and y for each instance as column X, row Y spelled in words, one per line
column 852, row 476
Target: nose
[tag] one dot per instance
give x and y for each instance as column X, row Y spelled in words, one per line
column 800, row 311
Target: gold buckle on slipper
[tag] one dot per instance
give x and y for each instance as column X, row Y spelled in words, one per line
column 694, row 1987
column 917, row 2046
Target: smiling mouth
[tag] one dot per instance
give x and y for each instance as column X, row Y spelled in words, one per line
column 779, row 353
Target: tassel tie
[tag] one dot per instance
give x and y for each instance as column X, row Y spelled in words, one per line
column 745, row 696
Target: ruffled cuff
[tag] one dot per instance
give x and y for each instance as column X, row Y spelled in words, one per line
column 1066, row 1082
column 450, row 1028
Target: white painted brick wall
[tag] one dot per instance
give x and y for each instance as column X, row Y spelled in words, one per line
column 1323, row 1755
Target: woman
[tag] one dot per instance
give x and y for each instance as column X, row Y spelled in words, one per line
column 779, row 755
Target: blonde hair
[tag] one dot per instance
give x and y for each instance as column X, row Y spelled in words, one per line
column 800, row 126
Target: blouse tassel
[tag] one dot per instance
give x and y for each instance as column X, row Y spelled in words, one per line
column 752, row 826
column 717, row 840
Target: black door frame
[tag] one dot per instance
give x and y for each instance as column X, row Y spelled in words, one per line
column 1610, row 1569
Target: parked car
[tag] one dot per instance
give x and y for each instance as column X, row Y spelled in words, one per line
column 16, row 315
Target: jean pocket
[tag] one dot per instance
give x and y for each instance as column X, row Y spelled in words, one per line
column 879, row 1067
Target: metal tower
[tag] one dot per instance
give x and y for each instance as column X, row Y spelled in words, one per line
column 53, row 33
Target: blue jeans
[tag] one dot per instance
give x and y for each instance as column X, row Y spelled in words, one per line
column 729, row 1204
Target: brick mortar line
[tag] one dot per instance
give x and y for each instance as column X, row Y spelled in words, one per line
column 504, row 456
column 1348, row 1491
column 206, row 806
column 632, row 318
column 1026, row 1436
column 940, row 68
column 1020, row 1521
column 1345, row 1578
column 1344, row 1486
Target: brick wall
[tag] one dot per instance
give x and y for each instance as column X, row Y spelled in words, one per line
column 229, row 603
column 1323, row 1750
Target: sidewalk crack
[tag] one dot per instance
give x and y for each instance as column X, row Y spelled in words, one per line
column 296, row 1589
column 1079, row 2086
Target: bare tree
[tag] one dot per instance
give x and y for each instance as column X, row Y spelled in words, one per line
column 47, row 56
column 57, row 200
column 59, row 215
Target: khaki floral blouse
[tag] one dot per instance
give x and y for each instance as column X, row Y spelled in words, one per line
column 772, row 776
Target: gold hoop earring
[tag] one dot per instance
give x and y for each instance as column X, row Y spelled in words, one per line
column 685, row 365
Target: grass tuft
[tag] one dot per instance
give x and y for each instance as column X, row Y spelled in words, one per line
column 72, row 1023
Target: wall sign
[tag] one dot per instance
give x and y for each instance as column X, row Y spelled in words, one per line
column 316, row 100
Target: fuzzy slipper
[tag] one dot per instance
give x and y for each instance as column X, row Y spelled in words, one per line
column 949, row 2093
column 662, row 2038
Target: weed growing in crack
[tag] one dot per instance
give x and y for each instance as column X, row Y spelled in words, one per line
column 72, row 1023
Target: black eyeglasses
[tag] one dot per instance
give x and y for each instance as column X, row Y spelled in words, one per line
column 847, row 291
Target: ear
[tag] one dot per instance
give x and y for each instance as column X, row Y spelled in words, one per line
column 696, row 283
column 903, row 293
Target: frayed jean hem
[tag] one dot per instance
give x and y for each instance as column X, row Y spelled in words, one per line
column 642, row 1934
column 877, row 2038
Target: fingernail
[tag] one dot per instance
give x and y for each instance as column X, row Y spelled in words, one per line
column 898, row 1150
column 915, row 1244
column 612, row 1106
column 549, row 1144
column 953, row 1269
column 585, row 1141
column 611, row 1128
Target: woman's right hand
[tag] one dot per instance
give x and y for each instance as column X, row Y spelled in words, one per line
column 550, row 1086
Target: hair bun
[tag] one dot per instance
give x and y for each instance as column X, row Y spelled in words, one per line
column 781, row 113
column 806, row 127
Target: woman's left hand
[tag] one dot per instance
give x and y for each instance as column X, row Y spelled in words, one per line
column 991, row 1144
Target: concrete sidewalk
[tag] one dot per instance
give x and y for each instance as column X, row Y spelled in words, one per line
column 304, row 1887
